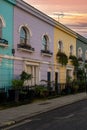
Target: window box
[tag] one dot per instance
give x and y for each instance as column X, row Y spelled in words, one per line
column 25, row 47
column 46, row 53
column 3, row 43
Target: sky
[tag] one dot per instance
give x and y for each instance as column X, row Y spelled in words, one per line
column 71, row 13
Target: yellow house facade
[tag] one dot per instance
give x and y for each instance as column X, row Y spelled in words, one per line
column 64, row 41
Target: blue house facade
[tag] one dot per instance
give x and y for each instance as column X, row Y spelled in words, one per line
column 6, row 42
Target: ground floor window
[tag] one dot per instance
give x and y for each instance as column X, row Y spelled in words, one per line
column 34, row 71
column 69, row 75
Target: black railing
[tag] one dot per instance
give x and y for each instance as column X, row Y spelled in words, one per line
column 3, row 41
column 25, row 46
column 47, row 52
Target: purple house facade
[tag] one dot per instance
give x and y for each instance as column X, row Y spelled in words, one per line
column 33, row 43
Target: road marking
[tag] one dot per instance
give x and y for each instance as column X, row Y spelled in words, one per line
column 65, row 117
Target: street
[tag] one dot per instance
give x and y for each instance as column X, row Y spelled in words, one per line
column 70, row 117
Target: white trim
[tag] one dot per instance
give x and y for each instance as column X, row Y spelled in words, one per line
column 30, row 63
column 26, row 50
column 46, row 34
column 3, row 45
column 3, row 21
column 69, row 67
column 30, row 60
column 26, row 26
column 45, row 54
column 23, row 59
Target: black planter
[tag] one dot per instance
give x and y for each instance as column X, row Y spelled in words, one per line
column 3, row 97
column 13, row 95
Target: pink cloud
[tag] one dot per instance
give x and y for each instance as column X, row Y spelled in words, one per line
column 76, row 11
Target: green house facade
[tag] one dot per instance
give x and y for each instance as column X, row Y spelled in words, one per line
column 81, row 48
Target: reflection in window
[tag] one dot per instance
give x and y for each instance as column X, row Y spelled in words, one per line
column 79, row 53
column 71, row 50
column 86, row 55
column 60, row 46
column 45, row 43
column 23, row 36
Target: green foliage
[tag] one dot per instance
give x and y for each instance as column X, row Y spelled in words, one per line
column 62, row 58
column 86, row 65
column 75, row 86
column 81, row 74
column 17, row 84
column 25, row 76
column 74, row 60
column 41, row 91
column 68, row 79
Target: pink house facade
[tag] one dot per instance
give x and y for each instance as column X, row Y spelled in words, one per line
column 33, row 43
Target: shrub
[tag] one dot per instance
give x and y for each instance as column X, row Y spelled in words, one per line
column 41, row 91
column 17, row 84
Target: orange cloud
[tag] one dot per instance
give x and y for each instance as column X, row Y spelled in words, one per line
column 75, row 12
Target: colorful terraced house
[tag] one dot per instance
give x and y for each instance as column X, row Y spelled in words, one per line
column 33, row 42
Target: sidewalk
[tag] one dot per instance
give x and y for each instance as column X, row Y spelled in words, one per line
column 17, row 114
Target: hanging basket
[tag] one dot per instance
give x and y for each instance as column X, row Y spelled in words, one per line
column 62, row 58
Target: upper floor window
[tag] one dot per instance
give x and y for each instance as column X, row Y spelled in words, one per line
column 60, row 46
column 86, row 55
column 71, row 50
column 79, row 52
column 45, row 43
column 0, row 28
column 24, row 35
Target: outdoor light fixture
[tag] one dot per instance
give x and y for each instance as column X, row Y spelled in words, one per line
column 13, row 51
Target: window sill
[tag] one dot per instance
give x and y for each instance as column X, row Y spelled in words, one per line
column 26, row 50
column 46, row 54
column 3, row 45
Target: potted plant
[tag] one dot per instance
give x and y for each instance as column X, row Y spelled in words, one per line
column 74, row 60
column 24, row 76
column 17, row 85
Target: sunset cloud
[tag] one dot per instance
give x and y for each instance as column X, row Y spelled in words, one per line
column 74, row 12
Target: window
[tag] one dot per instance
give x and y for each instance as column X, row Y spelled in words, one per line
column 71, row 50
column 45, row 43
column 79, row 53
column 60, row 46
column 24, row 35
column 34, row 71
column 49, row 79
column 86, row 55
column 69, row 75
column 0, row 28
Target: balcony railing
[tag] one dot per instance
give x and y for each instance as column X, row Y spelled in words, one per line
column 46, row 53
column 3, row 42
column 25, row 47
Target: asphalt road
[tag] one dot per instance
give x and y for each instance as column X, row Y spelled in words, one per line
column 70, row 117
